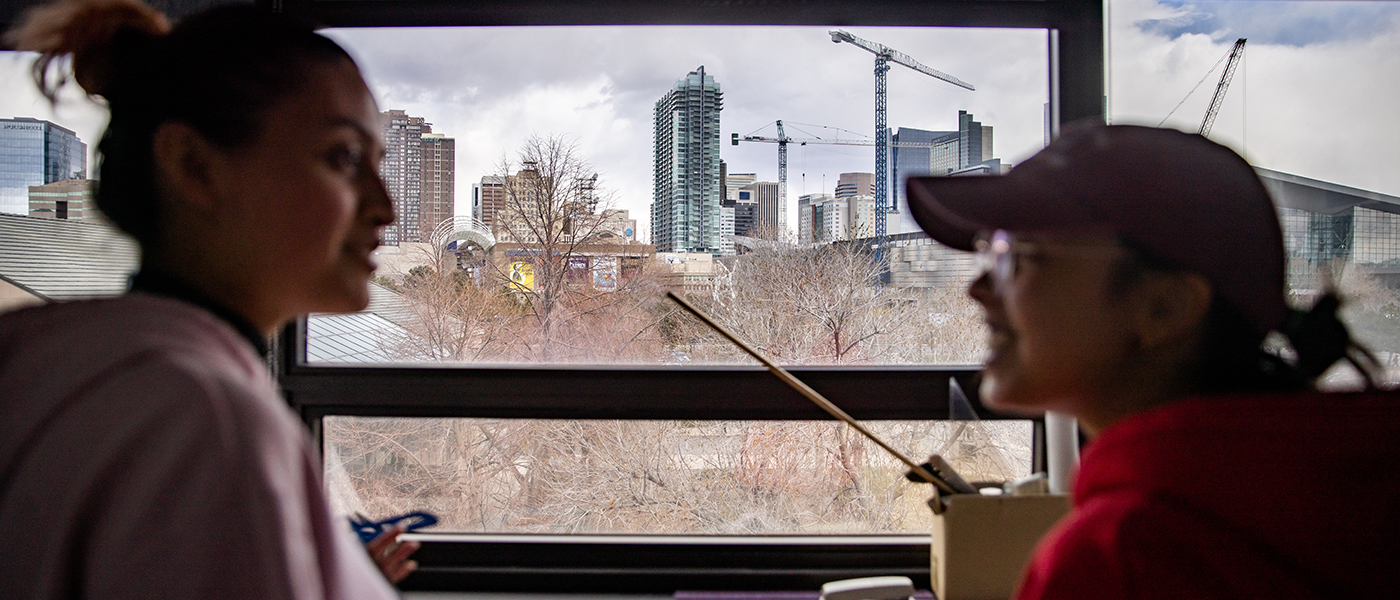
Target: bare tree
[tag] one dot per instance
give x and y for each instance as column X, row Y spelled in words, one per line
column 551, row 212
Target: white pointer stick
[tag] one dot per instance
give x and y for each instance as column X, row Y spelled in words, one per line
column 811, row 394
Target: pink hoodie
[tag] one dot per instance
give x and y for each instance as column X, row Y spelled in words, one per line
column 145, row 453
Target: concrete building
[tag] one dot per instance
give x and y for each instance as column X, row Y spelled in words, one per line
column 617, row 224
column 32, row 153
column 68, row 200
column 439, row 182
column 685, row 166
column 855, row 184
column 726, row 224
column 490, row 199
column 815, row 214
column 827, row 219
column 805, row 225
column 419, row 171
column 735, row 181
column 687, row 271
column 768, row 220
column 402, row 172
column 862, row 215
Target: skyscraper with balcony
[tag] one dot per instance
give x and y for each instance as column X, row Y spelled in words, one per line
column 34, row 153
column 439, row 183
column 419, row 171
column 685, row 215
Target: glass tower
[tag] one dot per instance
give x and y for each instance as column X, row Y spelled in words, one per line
column 685, row 214
column 34, row 152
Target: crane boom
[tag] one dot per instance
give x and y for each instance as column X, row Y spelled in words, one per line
column 1225, row 77
column 895, row 56
column 883, row 56
column 784, row 139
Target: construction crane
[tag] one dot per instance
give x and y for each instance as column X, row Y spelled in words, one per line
column 782, row 140
column 1215, row 102
column 883, row 56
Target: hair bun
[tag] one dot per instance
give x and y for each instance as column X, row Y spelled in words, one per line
column 92, row 31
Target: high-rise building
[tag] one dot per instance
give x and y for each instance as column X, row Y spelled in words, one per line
column 862, row 214
column 726, row 225
column 965, row 151
column 402, row 172
column 974, row 141
column 685, row 166
column 745, row 213
column 419, row 171
column 767, row 221
column 32, row 153
column 492, row 199
column 813, row 215
column 734, row 181
column 439, row 182
column 855, row 184
column 67, row 200
column 805, row 224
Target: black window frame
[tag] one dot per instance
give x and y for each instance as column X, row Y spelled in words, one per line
column 668, row 563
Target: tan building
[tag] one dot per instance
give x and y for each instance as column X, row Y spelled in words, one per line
column 439, row 182
column 855, row 184
column 490, row 199
column 603, row 267
column 418, row 170
column 689, row 271
column 69, row 200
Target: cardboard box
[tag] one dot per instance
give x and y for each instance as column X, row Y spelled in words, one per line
column 981, row 543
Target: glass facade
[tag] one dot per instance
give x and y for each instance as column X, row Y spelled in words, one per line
column 1359, row 235
column 34, row 152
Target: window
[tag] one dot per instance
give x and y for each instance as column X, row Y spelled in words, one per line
column 1338, row 217
column 337, row 399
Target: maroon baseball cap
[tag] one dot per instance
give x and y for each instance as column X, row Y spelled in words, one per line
column 1192, row 203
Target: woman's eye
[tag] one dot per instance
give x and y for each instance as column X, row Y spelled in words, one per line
column 346, row 159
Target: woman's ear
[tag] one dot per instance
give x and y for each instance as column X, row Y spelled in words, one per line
column 1174, row 307
column 185, row 164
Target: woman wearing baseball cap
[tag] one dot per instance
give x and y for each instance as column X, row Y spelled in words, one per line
column 1130, row 277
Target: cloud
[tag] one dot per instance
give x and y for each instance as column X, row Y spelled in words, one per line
column 1323, row 109
column 492, row 87
column 1318, row 106
column 1281, row 23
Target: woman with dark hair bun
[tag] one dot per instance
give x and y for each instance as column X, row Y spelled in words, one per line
column 160, row 461
column 1130, row 278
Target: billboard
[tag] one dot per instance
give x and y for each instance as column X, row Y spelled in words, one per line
column 577, row 273
column 605, row 272
column 522, row 276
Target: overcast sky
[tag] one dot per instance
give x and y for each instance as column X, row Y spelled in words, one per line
column 1314, row 97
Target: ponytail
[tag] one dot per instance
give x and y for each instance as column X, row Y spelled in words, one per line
column 1320, row 339
column 98, row 34
column 218, row 72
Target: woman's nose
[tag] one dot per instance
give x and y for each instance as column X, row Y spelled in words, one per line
column 981, row 289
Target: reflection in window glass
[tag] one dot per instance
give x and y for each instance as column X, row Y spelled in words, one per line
column 552, row 183
column 678, row 477
column 1283, row 112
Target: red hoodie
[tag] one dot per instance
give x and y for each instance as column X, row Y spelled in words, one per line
column 1234, row 497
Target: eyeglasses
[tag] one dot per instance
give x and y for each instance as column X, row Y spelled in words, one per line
column 1001, row 255
column 996, row 257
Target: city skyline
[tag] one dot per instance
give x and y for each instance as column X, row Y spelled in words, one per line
column 490, row 87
